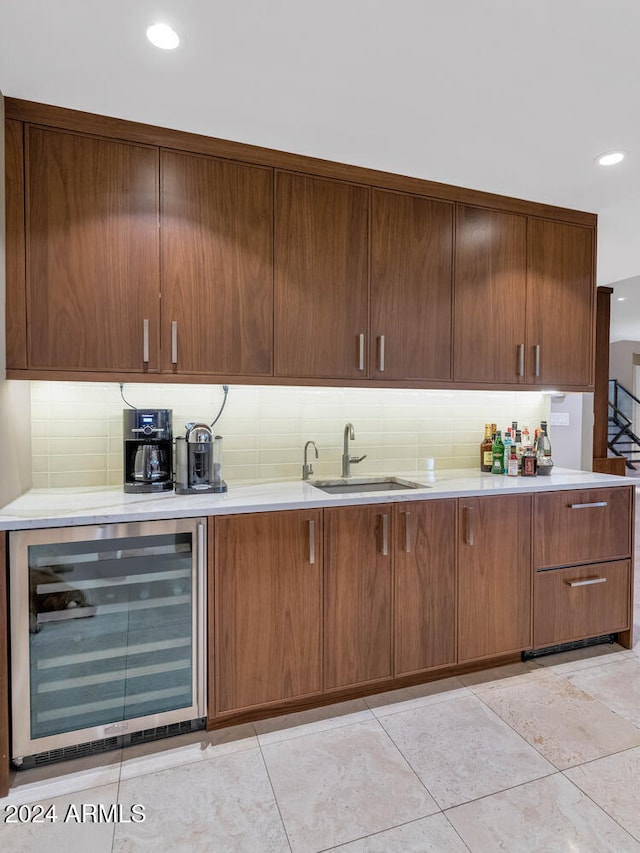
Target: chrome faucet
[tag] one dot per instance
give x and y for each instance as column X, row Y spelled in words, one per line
column 348, row 460
column 307, row 468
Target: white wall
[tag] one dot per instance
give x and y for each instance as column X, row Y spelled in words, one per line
column 15, row 401
column 621, row 361
column 77, row 427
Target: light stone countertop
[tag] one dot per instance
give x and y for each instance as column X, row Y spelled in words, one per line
column 77, row 506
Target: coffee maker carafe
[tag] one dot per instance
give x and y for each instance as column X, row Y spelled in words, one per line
column 199, row 461
column 148, row 450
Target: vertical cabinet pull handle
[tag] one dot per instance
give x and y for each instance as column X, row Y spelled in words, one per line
column 361, row 352
column 407, row 532
column 537, row 359
column 312, row 542
column 385, row 535
column 520, row 359
column 145, row 341
column 174, row 342
column 468, row 515
column 381, row 353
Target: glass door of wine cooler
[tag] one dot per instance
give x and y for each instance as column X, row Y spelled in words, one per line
column 107, row 631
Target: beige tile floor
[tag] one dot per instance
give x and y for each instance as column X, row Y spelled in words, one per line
column 541, row 756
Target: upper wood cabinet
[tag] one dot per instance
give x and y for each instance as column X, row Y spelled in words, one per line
column 216, row 233
column 489, row 296
column 560, row 303
column 91, row 253
column 321, row 277
column 411, row 269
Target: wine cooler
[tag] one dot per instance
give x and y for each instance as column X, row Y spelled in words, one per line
column 107, row 634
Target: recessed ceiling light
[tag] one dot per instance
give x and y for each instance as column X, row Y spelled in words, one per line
column 161, row 35
column 610, row 158
column 621, row 298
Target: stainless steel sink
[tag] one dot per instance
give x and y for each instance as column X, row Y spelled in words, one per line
column 351, row 485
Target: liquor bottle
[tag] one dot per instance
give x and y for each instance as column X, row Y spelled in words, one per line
column 497, row 454
column 485, row 449
column 543, row 451
column 508, row 441
column 529, row 462
column 512, row 464
column 519, row 450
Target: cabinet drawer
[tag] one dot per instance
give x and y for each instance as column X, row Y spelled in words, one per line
column 580, row 601
column 582, row 526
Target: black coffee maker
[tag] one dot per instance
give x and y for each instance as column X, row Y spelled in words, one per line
column 148, row 450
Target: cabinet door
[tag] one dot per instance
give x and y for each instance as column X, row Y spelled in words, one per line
column 16, row 302
column 494, row 611
column 321, row 277
column 216, row 235
column 489, row 296
column 91, row 252
column 358, row 577
column 425, row 585
column 268, row 608
column 560, row 304
column 411, row 268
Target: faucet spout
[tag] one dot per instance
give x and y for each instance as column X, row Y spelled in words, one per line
column 307, row 468
column 347, row 459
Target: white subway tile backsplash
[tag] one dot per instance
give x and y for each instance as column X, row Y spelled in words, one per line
column 77, row 427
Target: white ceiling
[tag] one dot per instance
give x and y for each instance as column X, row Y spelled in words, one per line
column 507, row 96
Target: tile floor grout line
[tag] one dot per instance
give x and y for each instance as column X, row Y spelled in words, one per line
column 273, row 791
column 598, row 805
column 422, row 705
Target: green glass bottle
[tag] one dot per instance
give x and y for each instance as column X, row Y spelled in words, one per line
column 497, row 454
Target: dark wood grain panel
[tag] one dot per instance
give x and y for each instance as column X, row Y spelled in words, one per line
column 216, row 233
column 494, row 604
column 561, row 302
column 574, row 527
column 357, row 595
column 425, row 585
column 268, row 608
column 92, row 252
column 411, row 286
column 489, row 295
column 320, row 275
column 597, row 603
column 16, row 301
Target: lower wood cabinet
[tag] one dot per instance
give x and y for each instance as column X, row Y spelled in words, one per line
column 357, row 595
column 267, row 613
column 425, row 585
column 494, row 601
column 581, row 601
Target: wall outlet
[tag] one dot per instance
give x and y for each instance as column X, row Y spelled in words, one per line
column 559, row 419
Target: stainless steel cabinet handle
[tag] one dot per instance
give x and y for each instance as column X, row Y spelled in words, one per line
column 361, row 352
column 385, row 535
column 585, row 506
column 520, row 359
column 468, row 514
column 174, row 342
column 381, row 353
column 145, row 341
column 536, row 349
column 586, row 583
column 407, row 532
column 312, row 542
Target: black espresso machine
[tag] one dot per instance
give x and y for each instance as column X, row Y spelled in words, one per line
column 148, row 450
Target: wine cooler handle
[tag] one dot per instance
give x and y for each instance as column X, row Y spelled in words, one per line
column 407, row 532
column 201, row 563
column 385, row 535
column 361, row 352
column 520, row 359
column 469, row 535
column 536, row 350
column 312, row 542
column 381, row 354
column 587, row 582
column 174, row 342
column 145, row 341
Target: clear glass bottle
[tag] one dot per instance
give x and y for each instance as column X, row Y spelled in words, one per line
column 543, row 451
